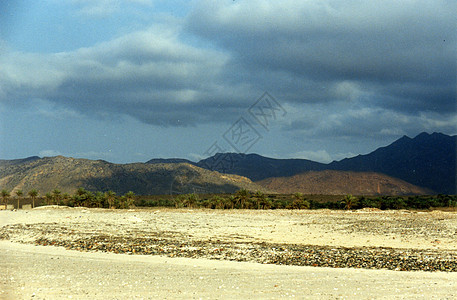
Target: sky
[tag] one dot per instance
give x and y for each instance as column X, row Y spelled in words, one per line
column 131, row 80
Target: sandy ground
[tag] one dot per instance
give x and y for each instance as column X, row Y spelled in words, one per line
column 38, row 272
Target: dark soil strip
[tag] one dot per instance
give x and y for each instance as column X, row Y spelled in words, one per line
column 282, row 254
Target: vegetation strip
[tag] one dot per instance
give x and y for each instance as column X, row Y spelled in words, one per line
column 242, row 199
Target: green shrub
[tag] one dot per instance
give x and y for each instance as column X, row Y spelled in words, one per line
column 368, row 202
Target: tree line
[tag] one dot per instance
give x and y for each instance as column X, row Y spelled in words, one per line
column 242, row 199
column 81, row 197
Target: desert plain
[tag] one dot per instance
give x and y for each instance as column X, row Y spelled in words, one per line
column 80, row 253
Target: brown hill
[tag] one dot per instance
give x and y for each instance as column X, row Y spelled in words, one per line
column 68, row 174
column 427, row 160
column 341, row 183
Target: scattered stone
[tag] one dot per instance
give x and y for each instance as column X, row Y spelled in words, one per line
column 134, row 240
column 266, row 253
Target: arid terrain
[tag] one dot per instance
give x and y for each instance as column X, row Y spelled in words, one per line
column 342, row 183
column 169, row 253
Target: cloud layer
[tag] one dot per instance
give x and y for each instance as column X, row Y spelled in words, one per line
column 343, row 69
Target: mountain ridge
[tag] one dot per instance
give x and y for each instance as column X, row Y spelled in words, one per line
column 427, row 161
column 68, row 174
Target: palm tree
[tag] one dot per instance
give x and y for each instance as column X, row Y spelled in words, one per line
column 179, row 200
column 81, row 191
column 56, row 196
column 232, row 200
column 66, row 197
column 259, row 198
column 349, row 201
column 110, row 196
column 298, row 196
column 19, row 194
column 130, row 199
column 33, row 194
column 99, row 199
column 5, row 195
column 80, row 196
column 191, row 200
column 242, row 196
column 216, row 202
column 87, row 199
column 266, row 203
column 48, row 198
column 299, row 202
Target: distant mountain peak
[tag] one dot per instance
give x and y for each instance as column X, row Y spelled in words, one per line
column 427, row 160
column 405, row 137
column 422, row 136
column 426, row 135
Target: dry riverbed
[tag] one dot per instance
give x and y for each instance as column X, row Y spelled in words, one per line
column 167, row 253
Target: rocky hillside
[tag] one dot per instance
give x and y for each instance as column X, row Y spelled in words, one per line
column 68, row 174
column 427, row 160
column 341, row 183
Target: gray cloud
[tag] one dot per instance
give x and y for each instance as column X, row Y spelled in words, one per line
column 368, row 123
column 340, row 65
column 404, row 51
column 149, row 75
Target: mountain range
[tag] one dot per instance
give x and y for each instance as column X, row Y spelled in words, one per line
column 68, row 174
column 423, row 164
column 427, row 160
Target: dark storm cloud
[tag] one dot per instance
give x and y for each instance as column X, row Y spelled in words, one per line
column 389, row 58
column 395, row 49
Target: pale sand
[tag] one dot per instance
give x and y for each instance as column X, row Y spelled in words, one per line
column 52, row 272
